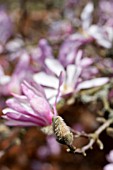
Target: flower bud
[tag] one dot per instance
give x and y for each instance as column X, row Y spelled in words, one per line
column 62, row 131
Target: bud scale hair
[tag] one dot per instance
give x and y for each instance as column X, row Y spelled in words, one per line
column 62, row 131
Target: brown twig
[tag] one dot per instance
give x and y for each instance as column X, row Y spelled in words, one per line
column 94, row 137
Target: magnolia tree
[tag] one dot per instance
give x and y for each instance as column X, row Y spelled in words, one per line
column 72, row 63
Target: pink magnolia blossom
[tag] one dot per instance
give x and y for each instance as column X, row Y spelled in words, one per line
column 32, row 108
column 29, row 109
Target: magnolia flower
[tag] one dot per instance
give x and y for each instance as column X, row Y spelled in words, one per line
column 29, row 109
column 72, row 77
column 32, row 108
column 102, row 32
column 51, row 81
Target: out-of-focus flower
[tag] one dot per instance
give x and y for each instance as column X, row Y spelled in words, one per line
column 22, row 71
column 39, row 54
column 39, row 165
column 102, row 31
column 102, row 34
column 34, row 61
column 70, row 10
column 72, row 77
column 105, row 12
column 71, row 3
column 109, row 158
column 60, row 30
column 105, row 66
column 29, row 109
column 70, row 47
column 6, row 28
column 51, row 148
column 11, row 84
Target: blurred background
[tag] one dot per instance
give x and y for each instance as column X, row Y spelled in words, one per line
column 22, row 24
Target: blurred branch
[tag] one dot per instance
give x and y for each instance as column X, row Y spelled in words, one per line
column 95, row 13
column 23, row 16
column 93, row 138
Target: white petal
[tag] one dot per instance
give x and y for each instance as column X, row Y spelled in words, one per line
column 104, row 43
column 4, row 80
column 87, row 11
column 110, row 156
column 86, row 62
column 75, row 36
column 54, row 65
column 92, row 83
column 52, row 100
column 71, row 55
column 99, row 34
column 78, row 57
column 108, row 166
column 1, row 71
column 8, row 110
column 109, row 31
column 86, row 15
column 46, row 80
column 14, row 45
column 50, row 93
column 71, row 71
column 95, row 31
column 73, row 74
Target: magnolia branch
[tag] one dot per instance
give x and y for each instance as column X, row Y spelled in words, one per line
column 93, row 138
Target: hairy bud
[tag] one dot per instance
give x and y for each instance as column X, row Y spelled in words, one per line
column 62, row 131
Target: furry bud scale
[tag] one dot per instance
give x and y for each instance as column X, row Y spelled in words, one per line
column 62, row 131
